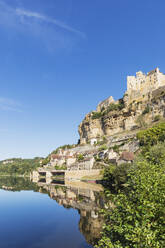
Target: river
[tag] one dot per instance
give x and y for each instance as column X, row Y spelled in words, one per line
column 55, row 215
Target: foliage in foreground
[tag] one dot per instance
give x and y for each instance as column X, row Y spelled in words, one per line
column 138, row 219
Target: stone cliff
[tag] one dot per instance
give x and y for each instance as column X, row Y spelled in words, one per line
column 142, row 103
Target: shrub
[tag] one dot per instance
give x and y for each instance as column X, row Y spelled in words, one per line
column 96, row 115
column 138, row 217
column 116, row 176
column 108, row 175
column 152, row 135
column 62, row 167
column 102, row 109
column 116, row 148
column 157, row 117
column 114, row 107
column 80, row 157
column 103, row 147
column 156, row 154
column 146, row 110
column 46, row 161
column 103, row 141
column 63, row 148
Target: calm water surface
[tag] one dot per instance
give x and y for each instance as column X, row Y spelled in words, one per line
column 40, row 215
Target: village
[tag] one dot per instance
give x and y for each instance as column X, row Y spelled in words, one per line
column 108, row 135
column 86, row 162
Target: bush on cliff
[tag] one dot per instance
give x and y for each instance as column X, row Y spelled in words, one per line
column 152, row 135
column 96, row 115
column 80, row 157
column 114, row 107
column 146, row 110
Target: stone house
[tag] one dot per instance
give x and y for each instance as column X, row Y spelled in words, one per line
column 70, row 160
column 126, row 157
column 65, row 152
column 60, row 160
column 112, row 156
column 57, row 159
column 86, row 164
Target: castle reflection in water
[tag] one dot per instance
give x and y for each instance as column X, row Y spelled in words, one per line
column 87, row 198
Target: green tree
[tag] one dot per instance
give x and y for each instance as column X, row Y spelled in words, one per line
column 138, row 219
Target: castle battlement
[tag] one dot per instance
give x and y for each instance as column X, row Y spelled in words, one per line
column 143, row 84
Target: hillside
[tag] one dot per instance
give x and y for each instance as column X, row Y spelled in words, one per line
column 18, row 166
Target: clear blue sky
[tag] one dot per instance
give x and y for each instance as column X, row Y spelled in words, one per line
column 59, row 58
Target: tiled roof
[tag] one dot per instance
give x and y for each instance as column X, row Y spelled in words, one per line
column 56, row 156
column 128, row 156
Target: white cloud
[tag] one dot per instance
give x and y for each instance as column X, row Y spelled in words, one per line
column 18, row 16
column 22, row 12
column 35, row 15
column 7, row 104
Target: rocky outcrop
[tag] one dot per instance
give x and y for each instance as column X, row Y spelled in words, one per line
column 114, row 117
column 103, row 105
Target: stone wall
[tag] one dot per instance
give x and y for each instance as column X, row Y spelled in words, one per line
column 79, row 174
column 68, row 174
column 142, row 85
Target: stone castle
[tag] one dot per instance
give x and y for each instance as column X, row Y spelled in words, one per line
column 142, row 85
column 139, row 88
column 142, row 90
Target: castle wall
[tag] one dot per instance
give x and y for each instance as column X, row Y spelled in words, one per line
column 140, row 87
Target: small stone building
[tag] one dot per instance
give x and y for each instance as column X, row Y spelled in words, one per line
column 126, row 157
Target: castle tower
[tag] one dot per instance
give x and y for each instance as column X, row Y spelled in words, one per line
column 139, row 86
column 134, row 82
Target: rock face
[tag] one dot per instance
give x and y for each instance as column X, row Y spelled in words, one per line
column 142, row 102
column 105, row 104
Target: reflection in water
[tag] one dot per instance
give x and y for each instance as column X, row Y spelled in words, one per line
column 87, row 198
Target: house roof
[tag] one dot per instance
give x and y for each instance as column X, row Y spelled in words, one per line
column 56, row 156
column 128, row 156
